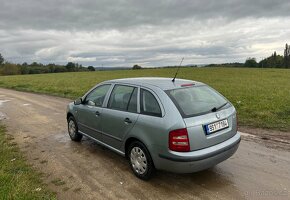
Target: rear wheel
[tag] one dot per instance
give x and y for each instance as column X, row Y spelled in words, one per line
column 73, row 129
column 140, row 160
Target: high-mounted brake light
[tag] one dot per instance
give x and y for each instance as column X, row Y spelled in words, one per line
column 178, row 140
column 187, row 84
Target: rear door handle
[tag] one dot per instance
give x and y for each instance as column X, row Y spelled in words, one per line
column 127, row 120
column 98, row 113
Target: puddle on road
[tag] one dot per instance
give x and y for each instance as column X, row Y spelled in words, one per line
column 2, row 101
column 62, row 137
column 3, row 116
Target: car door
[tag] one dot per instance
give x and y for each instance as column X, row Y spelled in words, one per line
column 89, row 112
column 120, row 115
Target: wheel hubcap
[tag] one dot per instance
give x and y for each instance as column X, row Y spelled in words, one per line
column 72, row 128
column 138, row 160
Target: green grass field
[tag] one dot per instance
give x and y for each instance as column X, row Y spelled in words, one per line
column 261, row 96
column 17, row 179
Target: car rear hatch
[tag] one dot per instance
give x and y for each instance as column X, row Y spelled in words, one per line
column 200, row 136
column 208, row 116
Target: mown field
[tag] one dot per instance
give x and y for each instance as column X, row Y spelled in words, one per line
column 261, row 96
column 17, row 179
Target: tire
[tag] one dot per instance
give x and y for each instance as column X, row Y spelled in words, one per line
column 73, row 130
column 140, row 160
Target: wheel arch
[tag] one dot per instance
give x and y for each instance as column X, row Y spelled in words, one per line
column 68, row 115
column 128, row 142
column 132, row 139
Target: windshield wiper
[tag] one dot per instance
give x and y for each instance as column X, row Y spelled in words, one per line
column 217, row 108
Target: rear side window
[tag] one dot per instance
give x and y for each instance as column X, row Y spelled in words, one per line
column 123, row 98
column 198, row 100
column 149, row 104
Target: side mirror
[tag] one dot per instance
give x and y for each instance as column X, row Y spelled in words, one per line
column 78, row 101
column 91, row 103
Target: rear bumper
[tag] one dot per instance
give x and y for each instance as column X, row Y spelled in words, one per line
column 194, row 161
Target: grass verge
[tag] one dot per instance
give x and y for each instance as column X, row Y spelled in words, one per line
column 17, row 179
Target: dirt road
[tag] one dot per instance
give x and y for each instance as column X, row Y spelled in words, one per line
column 88, row 171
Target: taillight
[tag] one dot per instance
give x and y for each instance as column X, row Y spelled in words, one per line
column 178, row 140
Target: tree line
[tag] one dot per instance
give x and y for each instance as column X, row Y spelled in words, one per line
column 7, row 68
column 273, row 61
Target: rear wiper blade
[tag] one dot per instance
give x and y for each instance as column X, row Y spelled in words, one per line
column 217, row 108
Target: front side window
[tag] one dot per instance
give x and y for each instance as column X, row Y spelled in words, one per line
column 97, row 96
column 193, row 101
column 149, row 104
column 123, row 98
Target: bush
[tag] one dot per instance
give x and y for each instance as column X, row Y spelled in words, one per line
column 251, row 62
column 137, row 67
column 10, row 69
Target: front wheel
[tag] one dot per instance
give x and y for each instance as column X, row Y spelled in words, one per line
column 140, row 160
column 73, row 130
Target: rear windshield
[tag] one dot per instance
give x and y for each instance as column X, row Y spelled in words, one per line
column 197, row 100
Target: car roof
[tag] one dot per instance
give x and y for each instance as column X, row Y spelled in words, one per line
column 160, row 82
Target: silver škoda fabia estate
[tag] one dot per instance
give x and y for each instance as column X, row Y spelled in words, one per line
column 180, row 126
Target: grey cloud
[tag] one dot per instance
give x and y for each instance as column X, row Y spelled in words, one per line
column 121, row 14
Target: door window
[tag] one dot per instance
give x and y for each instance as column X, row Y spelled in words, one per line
column 149, row 104
column 97, row 96
column 123, row 98
column 132, row 106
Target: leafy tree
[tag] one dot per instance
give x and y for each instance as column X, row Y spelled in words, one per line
column 24, row 69
column 51, row 67
column 137, row 67
column 1, row 59
column 287, row 56
column 35, row 64
column 60, row 69
column 10, row 69
column 251, row 62
column 274, row 60
column 91, row 68
column 71, row 66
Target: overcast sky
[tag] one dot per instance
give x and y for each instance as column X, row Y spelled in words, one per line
column 145, row 32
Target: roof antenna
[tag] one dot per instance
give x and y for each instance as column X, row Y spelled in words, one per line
column 177, row 70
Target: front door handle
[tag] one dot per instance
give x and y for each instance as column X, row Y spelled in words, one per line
column 98, row 113
column 127, row 120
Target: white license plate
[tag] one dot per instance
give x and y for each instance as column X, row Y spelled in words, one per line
column 214, row 127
